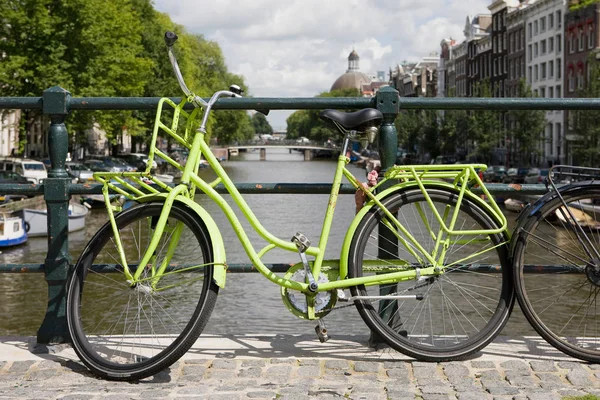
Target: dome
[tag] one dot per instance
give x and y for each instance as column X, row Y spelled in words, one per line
column 351, row 80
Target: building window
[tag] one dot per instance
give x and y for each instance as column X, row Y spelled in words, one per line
column 590, row 36
column 551, row 92
column 550, row 21
column 580, row 78
column 530, row 52
column 535, row 28
column 543, row 47
column 535, row 49
column 543, row 71
column 571, row 41
column 580, row 38
column 558, row 43
column 543, row 92
column 529, row 75
column 558, row 91
column 543, row 24
column 558, row 19
column 535, row 73
column 551, row 137
column 558, row 69
column 550, row 45
column 571, row 76
column 551, row 69
column 529, row 31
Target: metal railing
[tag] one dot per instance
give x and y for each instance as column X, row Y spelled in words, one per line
column 56, row 103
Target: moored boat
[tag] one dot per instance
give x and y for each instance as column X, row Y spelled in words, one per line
column 36, row 220
column 514, row 205
column 12, row 231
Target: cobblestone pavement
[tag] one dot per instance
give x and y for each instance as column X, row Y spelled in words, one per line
column 228, row 376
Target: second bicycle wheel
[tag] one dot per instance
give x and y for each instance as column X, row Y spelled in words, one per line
column 450, row 315
column 126, row 332
column 556, row 278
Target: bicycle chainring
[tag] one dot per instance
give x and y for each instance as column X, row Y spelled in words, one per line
column 295, row 300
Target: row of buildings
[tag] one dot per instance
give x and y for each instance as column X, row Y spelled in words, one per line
column 547, row 43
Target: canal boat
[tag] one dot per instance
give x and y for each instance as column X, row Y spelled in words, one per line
column 514, row 205
column 36, row 220
column 585, row 220
column 12, row 230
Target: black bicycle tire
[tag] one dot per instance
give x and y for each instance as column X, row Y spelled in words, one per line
column 370, row 315
column 521, row 238
column 186, row 338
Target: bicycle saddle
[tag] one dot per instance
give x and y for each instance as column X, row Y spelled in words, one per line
column 354, row 120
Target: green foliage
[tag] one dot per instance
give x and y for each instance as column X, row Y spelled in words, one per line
column 308, row 123
column 260, row 124
column 587, row 123
column 575, row 5
column 108, row 48
column 528, row 130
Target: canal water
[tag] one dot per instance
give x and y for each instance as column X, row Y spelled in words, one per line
column 249, row 303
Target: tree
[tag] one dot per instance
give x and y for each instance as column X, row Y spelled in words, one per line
column 485, row 128
column 587, row 123
column 108, row 48
column 528, row 130
column 308, row 123
column 260, row 124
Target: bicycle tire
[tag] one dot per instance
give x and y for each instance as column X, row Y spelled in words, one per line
column 561, row 307
column 463, row 309
column 122, row 332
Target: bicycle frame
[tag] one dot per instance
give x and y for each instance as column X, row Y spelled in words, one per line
column 463, row 176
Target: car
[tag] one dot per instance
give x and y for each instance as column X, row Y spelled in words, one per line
column 515, row 175
column 113, row 163
column 494, row 173
column 138, row 160
column 536, row 175
column 303, row 139
column 81, row 172
column 97, row 166
column 12, row 177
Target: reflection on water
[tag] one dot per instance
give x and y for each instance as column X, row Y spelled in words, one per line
column 249, row 303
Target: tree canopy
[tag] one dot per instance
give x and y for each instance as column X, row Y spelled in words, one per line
column 108, row 48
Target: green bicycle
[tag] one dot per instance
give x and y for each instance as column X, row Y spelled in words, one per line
column 425, row 260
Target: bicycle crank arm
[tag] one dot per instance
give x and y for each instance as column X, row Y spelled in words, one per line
column 389, row 297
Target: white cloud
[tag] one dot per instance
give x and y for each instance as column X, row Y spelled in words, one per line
column 298, row 48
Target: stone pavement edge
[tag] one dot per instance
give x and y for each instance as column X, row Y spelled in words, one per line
column 299, row 367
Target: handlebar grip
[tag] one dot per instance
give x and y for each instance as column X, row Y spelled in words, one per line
column 170, row 38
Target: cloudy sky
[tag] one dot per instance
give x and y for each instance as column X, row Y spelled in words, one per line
column 297, row 48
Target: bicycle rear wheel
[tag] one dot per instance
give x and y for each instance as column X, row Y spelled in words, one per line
column 125, row 332
column 462, row 309
column 556, row 281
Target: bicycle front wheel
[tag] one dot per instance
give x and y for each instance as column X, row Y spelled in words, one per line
column 444, row 316
column 556, row 279
column 122, row 331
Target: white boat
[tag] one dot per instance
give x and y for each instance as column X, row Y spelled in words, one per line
column 584, row 220
column 12, row 231
column 514, row 205
column 36, row 220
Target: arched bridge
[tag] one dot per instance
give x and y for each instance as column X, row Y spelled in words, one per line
column 310, row 150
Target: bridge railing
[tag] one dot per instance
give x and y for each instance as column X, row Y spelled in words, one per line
column 57, row 103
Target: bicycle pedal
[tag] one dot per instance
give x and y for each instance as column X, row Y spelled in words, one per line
column 321, row 332
column 301, row 242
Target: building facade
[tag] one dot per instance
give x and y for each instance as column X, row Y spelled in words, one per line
column 544, row 61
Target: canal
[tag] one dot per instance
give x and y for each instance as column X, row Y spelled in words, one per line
column 249, row 303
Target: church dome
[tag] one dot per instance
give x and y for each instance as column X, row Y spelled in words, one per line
column 352, row 78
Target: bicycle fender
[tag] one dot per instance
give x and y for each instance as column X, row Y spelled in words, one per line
column 345, row 252
column 218, row 247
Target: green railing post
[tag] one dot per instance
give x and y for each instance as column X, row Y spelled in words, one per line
column 56, row 194
column 387, row 103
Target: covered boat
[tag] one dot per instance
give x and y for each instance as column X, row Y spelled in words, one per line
column 36, row 220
